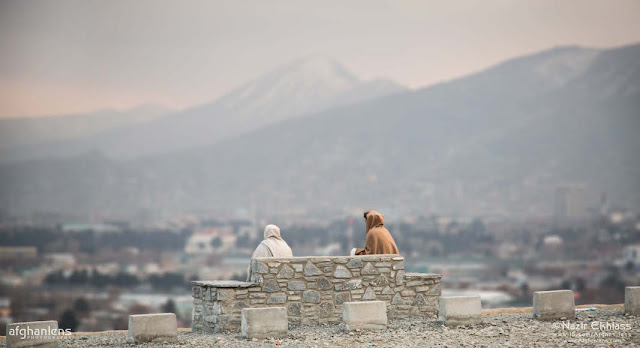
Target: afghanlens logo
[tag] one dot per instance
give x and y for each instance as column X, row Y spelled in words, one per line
column 37, row 333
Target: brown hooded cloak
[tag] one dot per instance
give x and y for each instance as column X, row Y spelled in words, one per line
column 379, row 240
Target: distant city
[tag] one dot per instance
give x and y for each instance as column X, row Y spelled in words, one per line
column 91, row 275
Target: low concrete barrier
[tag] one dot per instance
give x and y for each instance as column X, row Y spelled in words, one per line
column 556, row 304
column 460, row 310
column 41, row 334
column 152, row 327
column 369, row 315
column 264, row 322
column 632, row 300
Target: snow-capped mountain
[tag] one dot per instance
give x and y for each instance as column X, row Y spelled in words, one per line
column 301, row 87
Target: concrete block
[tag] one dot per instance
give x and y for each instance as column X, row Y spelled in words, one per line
column 369, row 315
column 264, row 322
column 41, row 334
column 152, row 327
column 460, row 310
column 556, row 304
column 632, row 300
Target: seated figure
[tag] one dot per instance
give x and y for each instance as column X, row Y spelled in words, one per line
column 272, row 246
column 379, row 240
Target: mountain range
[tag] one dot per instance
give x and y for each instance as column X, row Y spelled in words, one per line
column 296, row 89
column 494, row 143
column 18, row 132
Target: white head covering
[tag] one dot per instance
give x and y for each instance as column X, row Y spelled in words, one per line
column 272, row 231
column 273, row 245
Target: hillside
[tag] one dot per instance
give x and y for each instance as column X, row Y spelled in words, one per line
column 495, row 143
column 17, row 132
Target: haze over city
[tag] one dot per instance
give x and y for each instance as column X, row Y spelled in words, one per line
column 152, row 152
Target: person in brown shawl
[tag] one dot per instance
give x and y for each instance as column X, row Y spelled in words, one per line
column 379, row 240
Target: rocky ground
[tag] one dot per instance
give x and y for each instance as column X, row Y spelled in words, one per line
column 504, row 330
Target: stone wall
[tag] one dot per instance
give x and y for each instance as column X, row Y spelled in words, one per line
column 313, row 290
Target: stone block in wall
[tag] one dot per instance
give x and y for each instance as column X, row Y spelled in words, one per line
column 414, row 283
column 271, row 286
column 349, row 285
column 368, row 269
column 556, row 304
column 632, row 300
column 264, row 322
column 341, row 297
column 311, row 296
column 354, row 263
column 225, row 294
column 399, row 278
column 369, row 294
column 435, row 290
column 285, row 273
column 407, row 292
column 296, row 285
column 294, row 309
column 261, row 267
column 195, row 293
column 325, row 310
column 399, row 300
column 381, row 280
column 324, row 284
column 277, row 298
column 342, row 272
column 419, row 300
column 311, row 270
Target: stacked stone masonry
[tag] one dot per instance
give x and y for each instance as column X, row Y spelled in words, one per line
column 313, row 290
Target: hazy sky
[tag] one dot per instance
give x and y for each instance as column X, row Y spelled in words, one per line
column 73, row 56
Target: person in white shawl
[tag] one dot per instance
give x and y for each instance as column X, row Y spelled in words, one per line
column 272, row 246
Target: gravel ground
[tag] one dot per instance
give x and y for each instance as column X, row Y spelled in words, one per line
column 504, row 330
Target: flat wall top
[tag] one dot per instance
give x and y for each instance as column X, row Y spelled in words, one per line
column 394, row 257
column 224, row 283
column 549, row 292
column 35, row 322
column 422, row 276
column 153, row 315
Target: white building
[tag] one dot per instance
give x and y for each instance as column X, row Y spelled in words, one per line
column 209, row 241
column 631, row 253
